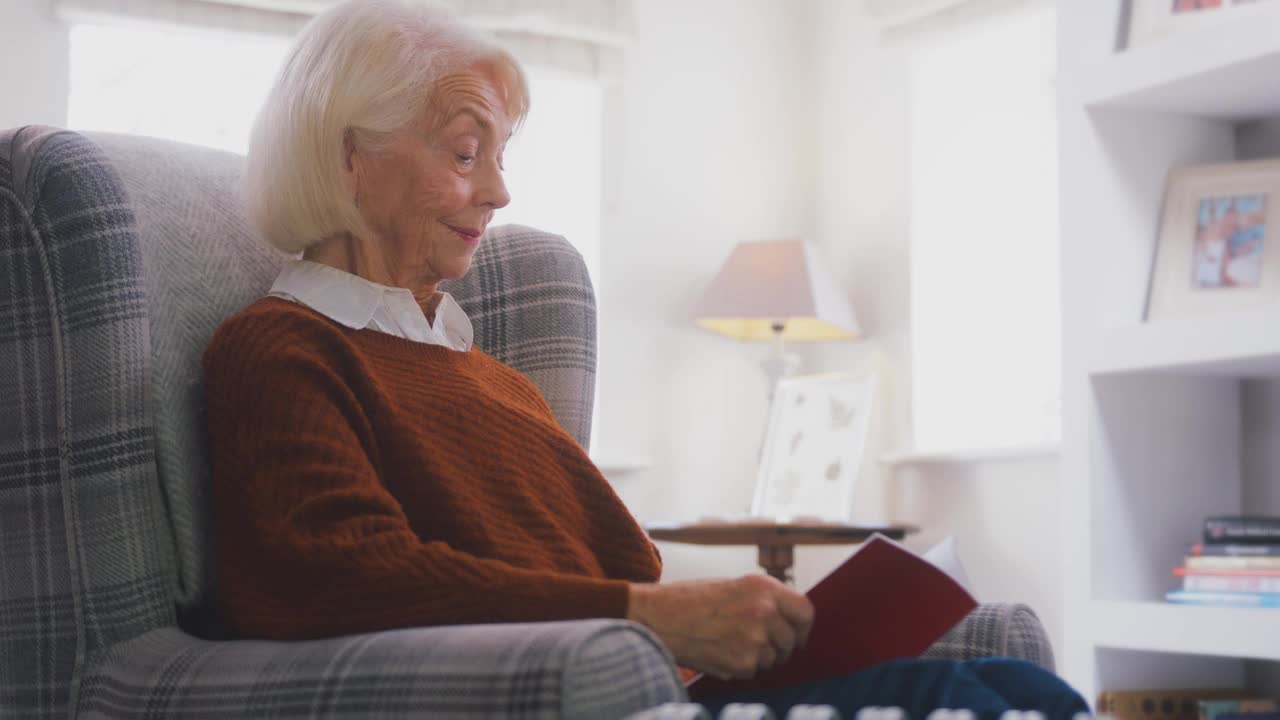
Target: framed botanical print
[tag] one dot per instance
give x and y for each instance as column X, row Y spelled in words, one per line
column 814, row 446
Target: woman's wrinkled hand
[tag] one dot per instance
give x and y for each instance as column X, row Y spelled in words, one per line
column 725, row 628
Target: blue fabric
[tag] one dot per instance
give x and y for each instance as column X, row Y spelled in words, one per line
column 988, row 687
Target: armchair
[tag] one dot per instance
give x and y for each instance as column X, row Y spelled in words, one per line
column 119, row 256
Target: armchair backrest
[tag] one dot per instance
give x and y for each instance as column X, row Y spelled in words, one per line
column 119, row 256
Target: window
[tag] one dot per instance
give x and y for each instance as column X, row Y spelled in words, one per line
column 555, row 170
column 197, row 87
column 205, row 87
column 985, row 319
column 554, row 164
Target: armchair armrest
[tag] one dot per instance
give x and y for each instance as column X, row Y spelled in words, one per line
column 581, row 669
column 997, row 630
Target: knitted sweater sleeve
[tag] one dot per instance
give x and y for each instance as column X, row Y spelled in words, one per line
column 309, row 541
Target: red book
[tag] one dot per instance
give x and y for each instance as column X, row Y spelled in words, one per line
column 881, row 604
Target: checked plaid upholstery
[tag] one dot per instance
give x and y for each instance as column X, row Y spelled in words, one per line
column 80, row 565
column 118, row 258
column 996, row 630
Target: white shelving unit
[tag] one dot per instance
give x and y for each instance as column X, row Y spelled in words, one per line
column 1163, row 421
column 1242, row 344
column 1222, row 632
column 1223, row 71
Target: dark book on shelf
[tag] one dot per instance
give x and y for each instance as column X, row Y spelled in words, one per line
column 1235, row 550
column 1242, row 530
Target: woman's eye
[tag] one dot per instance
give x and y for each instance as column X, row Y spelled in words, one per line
column 466, row 159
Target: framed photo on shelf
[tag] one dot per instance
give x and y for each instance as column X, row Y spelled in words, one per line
column 814, row 447
column 1218, row 247
column 1143, row 21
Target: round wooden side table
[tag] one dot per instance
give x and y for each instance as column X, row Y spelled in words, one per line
column 775, row 541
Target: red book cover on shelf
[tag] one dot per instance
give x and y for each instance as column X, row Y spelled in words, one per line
column 883, row 603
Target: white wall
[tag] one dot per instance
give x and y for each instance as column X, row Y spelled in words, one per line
column 34, row 65
column 743, row 121
column 713, row 147
column 1001, row 512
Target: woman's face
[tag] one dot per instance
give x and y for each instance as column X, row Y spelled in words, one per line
column 432, row 194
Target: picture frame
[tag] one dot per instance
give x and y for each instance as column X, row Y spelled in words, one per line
column 1217, row 247
column 815, row 446
column 1145, row 21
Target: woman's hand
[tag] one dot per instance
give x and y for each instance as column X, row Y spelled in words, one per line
column 726, row 628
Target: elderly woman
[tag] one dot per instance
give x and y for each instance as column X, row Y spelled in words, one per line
column 372, row 469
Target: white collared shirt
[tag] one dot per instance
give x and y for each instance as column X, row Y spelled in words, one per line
column 359, row 304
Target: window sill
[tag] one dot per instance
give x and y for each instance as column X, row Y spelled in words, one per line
column 979, row 455
column 621, row 465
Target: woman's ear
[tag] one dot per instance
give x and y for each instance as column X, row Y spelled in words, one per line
column 352, row 166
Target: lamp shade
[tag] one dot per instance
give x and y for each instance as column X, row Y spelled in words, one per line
column 772, row 282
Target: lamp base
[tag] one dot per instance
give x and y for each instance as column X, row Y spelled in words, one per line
column 778, row 366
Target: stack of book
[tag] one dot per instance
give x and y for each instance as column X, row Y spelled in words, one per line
column 1237, row 564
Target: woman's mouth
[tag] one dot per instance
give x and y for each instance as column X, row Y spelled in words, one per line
column 470, row 235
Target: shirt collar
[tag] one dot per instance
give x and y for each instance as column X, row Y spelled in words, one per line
column 351, row 300
column 452, row 321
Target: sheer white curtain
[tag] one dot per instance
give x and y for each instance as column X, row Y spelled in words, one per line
column 585, row 36
column 197, row 14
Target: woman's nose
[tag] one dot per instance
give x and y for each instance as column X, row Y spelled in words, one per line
column 491, row 189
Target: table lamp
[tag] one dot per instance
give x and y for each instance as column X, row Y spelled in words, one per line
column 779, row 291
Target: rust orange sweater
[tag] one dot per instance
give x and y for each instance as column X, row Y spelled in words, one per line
column 363, row 482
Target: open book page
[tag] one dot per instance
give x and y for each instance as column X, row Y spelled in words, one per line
column 947, row 559
column 883, row 603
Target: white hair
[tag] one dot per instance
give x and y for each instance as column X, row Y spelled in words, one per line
column 364, row 67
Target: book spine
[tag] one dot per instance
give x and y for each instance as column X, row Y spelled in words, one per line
column 1229, row 583
column 1252, row 708
column 1235, row 530
column 1229, row 572
column 1195, row 562
column 1211, row 709
column 1224, row 599
column 1235, row 550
